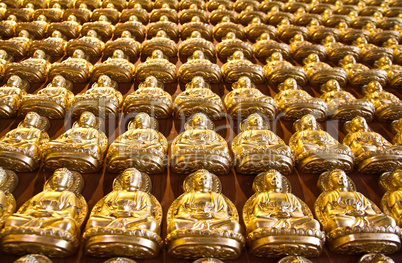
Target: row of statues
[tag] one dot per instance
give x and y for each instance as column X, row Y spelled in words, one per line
column 256, row 148
column 201, row 222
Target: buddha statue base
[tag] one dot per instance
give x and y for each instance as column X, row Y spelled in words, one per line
column 322, row 76
column 260, row 162
column 212, row 110
column 279, row 75
column 119, row 75
column 159, row 110
column 50, row 109
column 389, row 112
column 352, row 109
column 193, row 244
column 74, row 159
column 246, row 108
column 142, row 161
column 7, row 111
column 380, row 162
column 297, row 110
column 138, row 243
column 365, row 77
column 96, row 106
column 268, row 242
column 321, row 162
column 18, row 161
column 51, row 242
column 189, row 162
column 357, row 240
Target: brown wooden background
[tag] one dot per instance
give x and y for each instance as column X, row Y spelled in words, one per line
column 168, row 186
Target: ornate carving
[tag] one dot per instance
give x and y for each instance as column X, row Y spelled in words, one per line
column 198, row 65
column 238, row 66
column 135, row 27
column 158, row 66
column 256, row 28
column 33, row 258
column 202, row 222
column 196, row 25
column 278, row 70
column 226, row 26
column 90, row 44
column 117, row 67
column 196, row 42
column 33, row 69
column 162, row 42
column 230, row 44
column 170, row 28
column 103, row 28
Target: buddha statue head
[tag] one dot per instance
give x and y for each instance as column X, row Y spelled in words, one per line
column 59, row 81
column 39, row 54
column 203, row 181
column 243, row 82
column 157, row 54
column 32, row 119
column 104, row 81
column 254, row 122
column 126, row 34
column 24, row 34
column 329, row 39
column 87, row 120
column 78, row 53
column 397, row 178
column 357, row 124
column 383, row 61
column 131, row 179
column 150, row 82
column 198, row 54
column 308, row 122
column 360, row 41
column 392, row 41
column 373, row 86
column 230, row 36
column 195, row 34
column 289, row 84
column 338, row 180
column 297, row 38
column 62, row 179
column 375, row 258
column 197, row 82
column 238, row 55
column 273, row 181
column 276, row 56
column 331, row 85
column 199, row 121
column 57, row 34
column 264, row 37
column 141, row 121
column 92, row 33
column 256, row 20
column 294, row 259
column 133, row 18
column 118, row 53
column 348, row 59
column 312, row 58
column 225, row 19
column 14, row 81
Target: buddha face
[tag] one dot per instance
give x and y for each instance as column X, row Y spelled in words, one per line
column 276, row 56
column 230, row 35
column 157, row 54
column 338, row 179
column 203, row 181
column 195, row 34
column 151, row 81
column 62, row 179
column 87, row 119
column 118, row 54
column 225, row 19
column 313, row 58
column 199, row 121
column 273, row 181
column 161, row 33
column 256, row 20
column 264, row 37
column 349, row 59
column 126, row 34
column 330, row 39
column 104, row 81
column 23, row 33
column 238, row 55
column 56, row 34
column 59, row 81
column 133, row 19
column 397, row 179
column 298, row 37
column 374, row 86
column 290, row 84
column 332, row 85
column 309, row 122
column 92, row 33
column 255, row 120
column 31, row 119
column 142, row 121
column 39, row 54
column 198, row 54
column 78, row 54
column 359, row 124
column 244, row 82
column 14, row 81
column 132, row 180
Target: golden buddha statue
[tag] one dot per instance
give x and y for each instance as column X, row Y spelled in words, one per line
column 81, row 13
column 102, row 99
column 225, row 26
column 19, row 46
column 315, row 150
column 145, row 4
column 196, row 25
column 336, row 51
column 352, row 222
column 141, row 147
column 394, row 45
column 157, row 65
column 394, row 71
column 202, row 222
column 126, row 222
column 149, row 98
column 287, row 31
column 391, row 183
column 7, row 26
column 193, row 10
column 238, row 66
column 200, row 147
column 196, row 42
column 21, row 148
column 317, row 32
column 279, row 223
column 318, row 73
column 359, row 74
column 380, row 36
column 348, row 34
column 375, row 258
column 76, row 68
column 126, row 42
column 8, row 182
column 303, row 16
column 370, row 53
column 331, row 19
column 249, row 13
column 165, row 10
column 90, row 44
column 80, row 148
column 53, row 101
column 275, row 15
column 137, row 11
column 278, row 70
column 24, row 14
column 171, row 28
column 53, row 13
column 103, row 27
column 135, row 27
column 265, row 47
column 198, row 65
column 293, row 102
column 162, row 42
column 70, row 28
column 246, row 99
column 33, row 69
column 231, row 44
column 198, row 97
column 300, row 49
column 109, row 10
column 388, row 107
column 257, row 149
column 10, row 96
column 256, row 28
column 221, row 10
column 374, row 154
column 117, row 67
column 36, row 29
column 53, row 46
column 343, row 105
column 33, row 258
column 48, row 223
